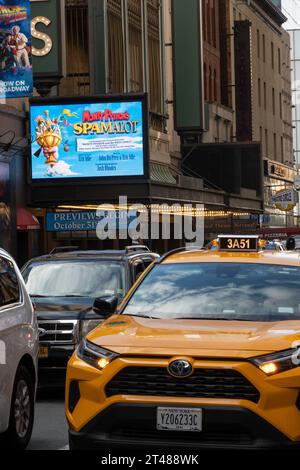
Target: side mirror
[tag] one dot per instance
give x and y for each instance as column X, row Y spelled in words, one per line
column 106, row 305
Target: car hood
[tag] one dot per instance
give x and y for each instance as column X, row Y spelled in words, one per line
column 208, row 338
column 63, row 308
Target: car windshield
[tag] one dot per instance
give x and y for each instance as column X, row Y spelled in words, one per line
column 75, row 279
column 227, row 291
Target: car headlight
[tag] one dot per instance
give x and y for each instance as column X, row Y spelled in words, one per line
column 95, row 355
column 84, row 327
column 276, row 363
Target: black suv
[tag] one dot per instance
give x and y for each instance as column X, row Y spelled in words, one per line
column 65, row 287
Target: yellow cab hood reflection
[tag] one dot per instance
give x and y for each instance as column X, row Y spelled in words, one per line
column 207, row 338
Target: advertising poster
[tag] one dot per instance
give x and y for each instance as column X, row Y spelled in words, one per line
column 15, row 49
column 87, row 140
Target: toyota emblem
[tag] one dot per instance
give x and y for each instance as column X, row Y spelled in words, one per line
column 180, row 368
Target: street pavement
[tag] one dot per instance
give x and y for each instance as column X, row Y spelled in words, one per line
column 50, row 430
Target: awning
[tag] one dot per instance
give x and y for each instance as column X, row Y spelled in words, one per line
column 26, row 220
column 161, row 174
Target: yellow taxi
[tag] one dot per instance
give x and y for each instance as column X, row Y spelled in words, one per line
column 203, row 351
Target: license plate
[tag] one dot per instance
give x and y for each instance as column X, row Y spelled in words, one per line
column 179, row 419
column 43, row 352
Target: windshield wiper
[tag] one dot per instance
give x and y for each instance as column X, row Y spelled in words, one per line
column 38, row 296
column 73, row 295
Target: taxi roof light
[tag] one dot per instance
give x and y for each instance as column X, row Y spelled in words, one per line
column 241, row 243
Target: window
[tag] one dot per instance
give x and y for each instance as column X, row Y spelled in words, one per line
column 77, row 80
column 9, row 285
column 213, row 19
column 266, row 143
column 261, row 134
column 279, row 61
column 135, row 45
column 272, row 55
column 265, row 96
column 155, row 54
column 208, row 24
column 215, row 86
column 258, row 43
column 275, row 146
column 136, row 52
column 282, row 149
column 115, row 46
column 259, row 92
column 204, row 21
column 280, row 105
column 264, row 47
column 273, row 101
column 89, row 279
column 210, row 85
column 205, row 82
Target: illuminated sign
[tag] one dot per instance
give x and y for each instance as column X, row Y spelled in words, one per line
column 234, row 243
column 89, row 138
column 46, row 40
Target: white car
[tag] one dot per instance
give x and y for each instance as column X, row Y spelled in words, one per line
column 18, row 357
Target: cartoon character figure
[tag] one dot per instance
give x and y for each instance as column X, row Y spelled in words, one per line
column 49, row 138
column 21, row 42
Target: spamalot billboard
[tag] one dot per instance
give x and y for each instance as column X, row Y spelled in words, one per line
column 88, row 139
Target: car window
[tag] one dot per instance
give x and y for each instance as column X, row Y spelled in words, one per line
column 9, row 284
column 227, row 291
column 75, row 279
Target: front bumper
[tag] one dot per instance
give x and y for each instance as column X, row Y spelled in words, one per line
column 98, row 419
column 120, row 426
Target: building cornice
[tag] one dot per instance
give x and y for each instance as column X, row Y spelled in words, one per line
column 272, row 10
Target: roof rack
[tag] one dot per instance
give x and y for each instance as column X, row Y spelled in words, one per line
column 137, row 248
column 63, row 249
column 184, row 249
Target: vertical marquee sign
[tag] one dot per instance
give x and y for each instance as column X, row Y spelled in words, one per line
column 48, row 42
column 243, row 78
column 15, row 49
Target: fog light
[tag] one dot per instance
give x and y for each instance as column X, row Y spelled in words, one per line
column 270, row 368
column 102, row 363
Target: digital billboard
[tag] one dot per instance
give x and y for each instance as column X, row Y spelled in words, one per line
column 89, row 138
